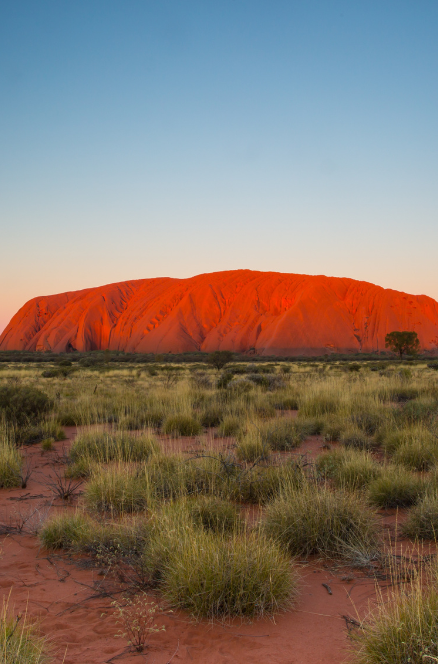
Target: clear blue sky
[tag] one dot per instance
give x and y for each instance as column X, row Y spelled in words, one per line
column 169, row 137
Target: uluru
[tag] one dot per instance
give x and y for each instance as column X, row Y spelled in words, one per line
column 268, row 313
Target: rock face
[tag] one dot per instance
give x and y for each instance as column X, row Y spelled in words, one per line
column 240, row 310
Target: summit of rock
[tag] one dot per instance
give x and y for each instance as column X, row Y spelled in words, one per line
column 239, row 310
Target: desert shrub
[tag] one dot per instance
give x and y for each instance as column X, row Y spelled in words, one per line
column 117, row 540
column 267, row 381
column 317, row 520
column 281, row 434
column 181, row 425
column 10, row 461
column 66, row 531
column 413, row 434
column 83, row 468
column 309, row 426
column 333, row 429
column 229, row 426
column 403, row 628
column 117, row 489
column 417, row 455
column 20, row 642
column 21, row 405
column 264, row 482
column 166, row 476
column 119, row 446
column 403, row 394
column 370, row 418
column 201, row 380
column 422, row 518
column 419, row 410
column 252, row 447
column 396, row 487
column 264, row 410
column 212, row 576
column 47, row 444
column 348, row 468
column 315, row 405
column 224, row 380
column 32, row 434
column 287, row 402
column 211, row 416
column 214, row 514
column 354, row 437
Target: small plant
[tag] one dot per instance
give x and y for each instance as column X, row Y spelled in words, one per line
column 396, row 487
column 19, row 640
column 229, row 426
column 21, row 405
column 63, row 487
column 214, row 514
column 10, row 461
column 137, row 617
column 348, row 468
column 47, row 444
column 181, row 425
column 422, row 519
column 66, row 531
column 117, row 489
column 354, row 437
column 417, row 455
column 317, row 520
column 403, row 628
column 252, row 448
column 212, row 575
column 281, row 434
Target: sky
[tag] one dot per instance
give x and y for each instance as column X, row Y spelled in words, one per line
column 146, row 138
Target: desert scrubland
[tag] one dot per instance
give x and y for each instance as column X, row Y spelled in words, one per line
column 266, row 511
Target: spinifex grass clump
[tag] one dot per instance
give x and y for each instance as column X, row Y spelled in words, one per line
column 66, row 531
column 217, row 574
column 31, row 434
column 281, row 434
column 117, row 489
column 422, row 521
column 356, row 438
column 396, row 487
column 348, row 468
column 181, row 425
column 104, row 447
column 10, row 459
column 252, row 447
column 417, row 455
column 214, row 514
column 404, row 627
column 317, row 520
column 20, row 642
column 408, row 436
column 230, row 426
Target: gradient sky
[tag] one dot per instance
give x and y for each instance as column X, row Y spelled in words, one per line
column 168, row 137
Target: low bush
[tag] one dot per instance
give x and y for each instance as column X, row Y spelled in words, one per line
column 20, row 642
column 66, row 531
column 181, row 425
column 214, row 514
column 348, row 468
column 10, row 464
column 396, row 487
column 354, row 437
column 417, row 455
column 229, row 426
column 403, row 628
column 252, row 447
column 317, row 520
column 104, row 447
column 213, row 576
column 422, row 518
column 281, row 434
column 211, row 416
column 32, row 434
column 333, row 429
column 117, row 489
column 21, row 405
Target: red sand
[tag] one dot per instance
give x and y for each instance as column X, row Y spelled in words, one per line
column 270, row 312
column 65, row 596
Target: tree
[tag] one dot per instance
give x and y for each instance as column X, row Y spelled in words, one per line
column 220, row 358
column 403, row 342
